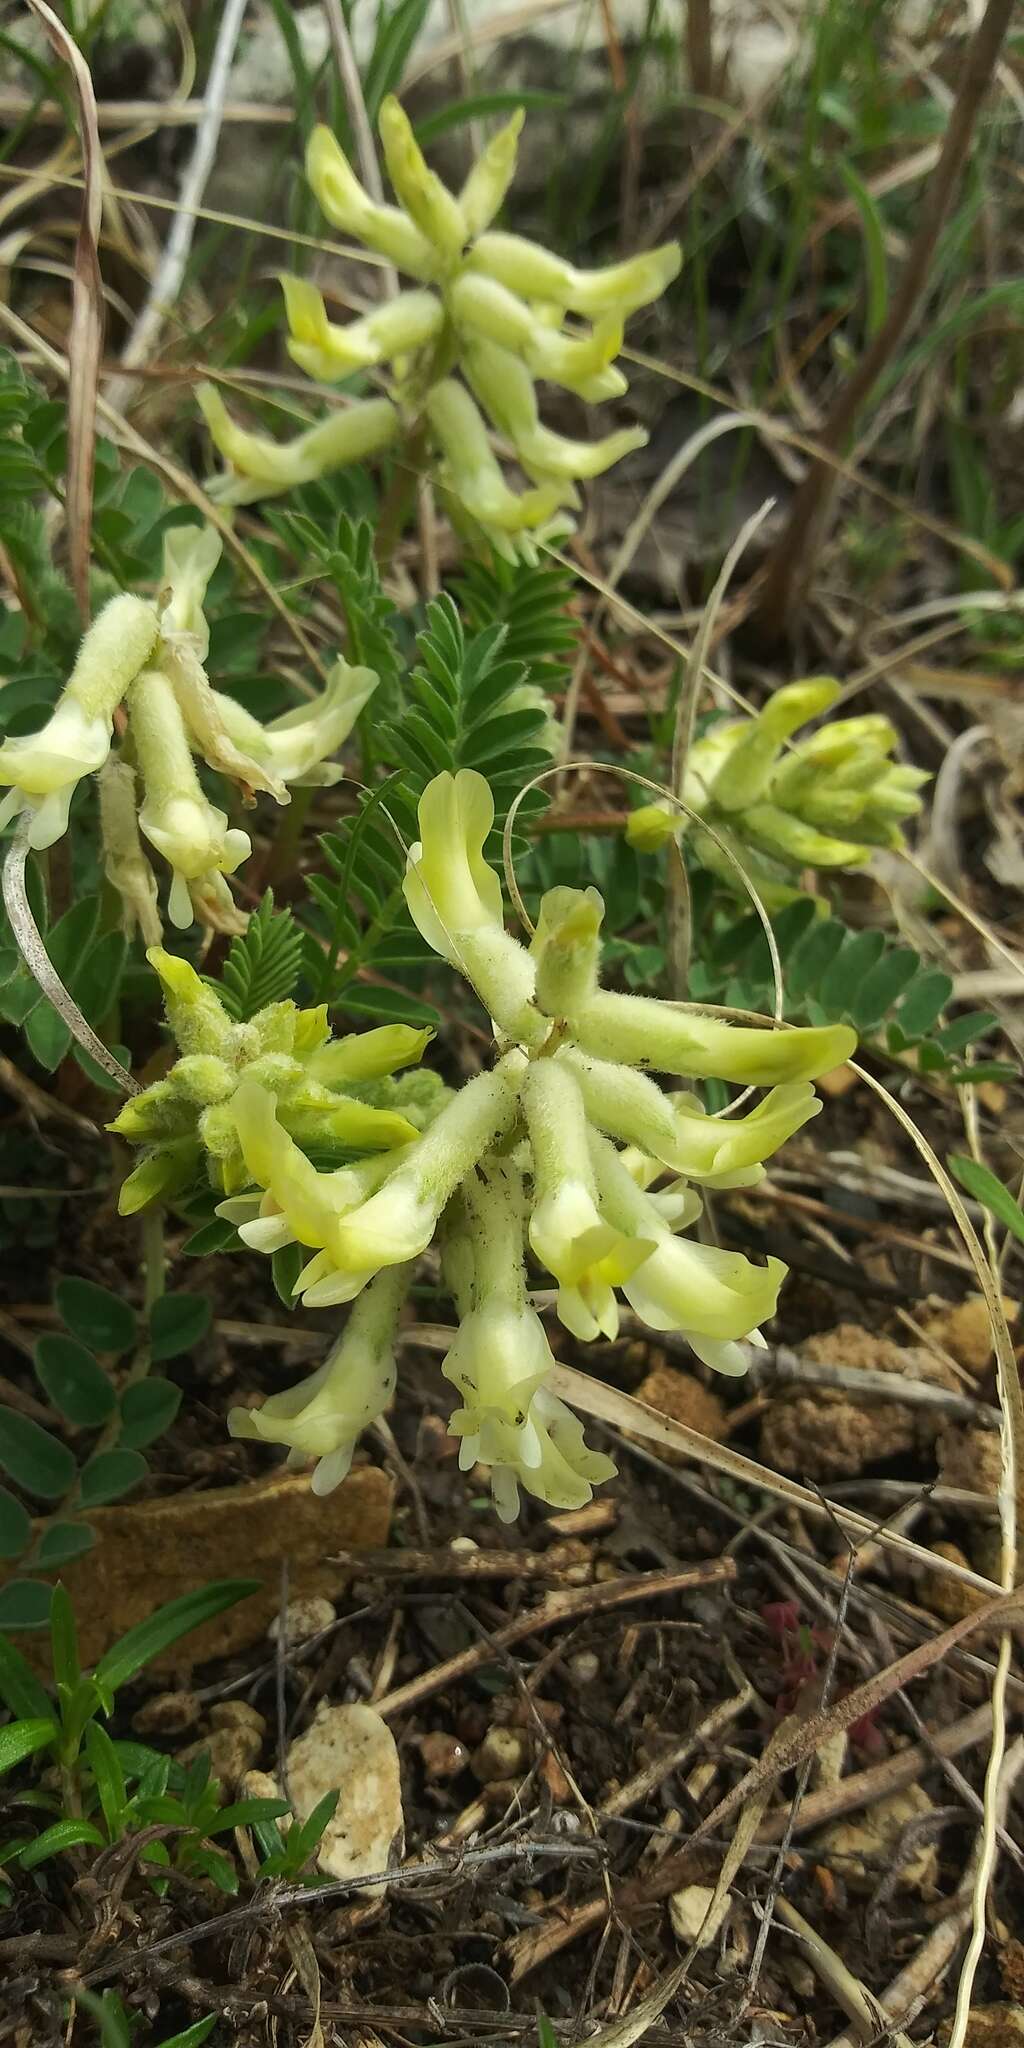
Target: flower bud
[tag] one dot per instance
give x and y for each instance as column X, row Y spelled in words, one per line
column 324, row 1416
column 191, row 833
column 473, row 471
column 198, row 1020
column 677, row 1040
column 491, row 175
column 295, row 749
column 159, row 1177
column 367, row 1055
column 328, row 351
column 504, row 385
column 567, row 949
column 538, row 274
column 124, row 862
column 426, row 200
column 191, row 554
column 779, row 832
column 382, row 228
column 45, row 767
column 650, row 826
column 262, row 468
column 745, row 774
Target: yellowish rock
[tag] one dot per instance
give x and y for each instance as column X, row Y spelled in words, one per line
column 351, row 1750
column 863, row 1847
column 691, row 1921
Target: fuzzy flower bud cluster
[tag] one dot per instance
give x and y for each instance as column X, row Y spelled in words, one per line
column 821, row 803
column 567, row 1152
column 488, row 305
column 141, row 664
column 331, row 1093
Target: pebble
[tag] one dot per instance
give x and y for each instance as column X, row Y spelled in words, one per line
column 233, row 1743
column 687, row 1909
column 351, row 1750
column 444, row 1756
column 555, row 1779
column 503, row 1753
column 302, row 1619
column 168, row 1713
column 870, row 1842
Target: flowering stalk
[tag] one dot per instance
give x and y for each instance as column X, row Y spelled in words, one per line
column 822, row 803
column 486, row 309
column 146, row 662
column 558, row 1151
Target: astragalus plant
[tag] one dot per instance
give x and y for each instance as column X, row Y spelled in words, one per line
column 564, row 1153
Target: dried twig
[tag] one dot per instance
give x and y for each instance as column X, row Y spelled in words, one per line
column 85, row 341
column 559, row 1608
column 796, row 551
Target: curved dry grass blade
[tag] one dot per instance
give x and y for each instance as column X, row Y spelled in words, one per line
column 85, row 341
column 30, row 945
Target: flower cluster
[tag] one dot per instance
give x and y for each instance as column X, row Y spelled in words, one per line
column 555, row 1153
column 820, row 803
column 141, row 665
column 489, row 305
column 334, row 1094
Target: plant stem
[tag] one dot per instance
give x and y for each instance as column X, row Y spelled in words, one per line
column 792, row 563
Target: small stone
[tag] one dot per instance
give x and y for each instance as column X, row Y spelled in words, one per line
column 167, row 1713
column 555, row 1779
column 503, row 1753
column 351, row 1750
column 584, row 1667
column 238, row 1714
column 260, row 1785
column 947, row 1597
column 444, row 1756
column 232, row 1752
column 863, row 1848
column 687, row 1910
column 302, row 1619
column 682, row 1398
